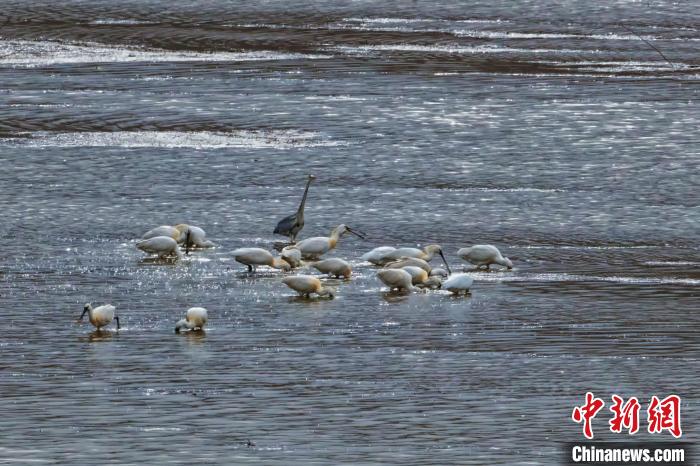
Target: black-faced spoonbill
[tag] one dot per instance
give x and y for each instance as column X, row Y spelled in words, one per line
column 193, row 236
column 406, row 261
column 163, row 230
column 420, row 277
column 427, row 254
column 375, row 255
column 484, row 254
column 312, row 248
column 458, row 283
column 398, row 279
column 306, row 284
column 195, row 318
column 100, row 316
column 334, row 267
column 162, row 246
column 253, row 257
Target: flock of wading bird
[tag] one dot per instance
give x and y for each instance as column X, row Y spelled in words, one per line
column 402, row 269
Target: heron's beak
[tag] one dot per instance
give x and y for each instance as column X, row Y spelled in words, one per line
column 82, row 315
column 187, row 241
column 446, row 264
column 117, row 319
column 356, row 233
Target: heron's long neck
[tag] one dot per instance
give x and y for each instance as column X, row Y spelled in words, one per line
column 300, row 211
column 500, row 260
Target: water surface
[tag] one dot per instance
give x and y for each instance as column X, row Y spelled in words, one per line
column 555, row 132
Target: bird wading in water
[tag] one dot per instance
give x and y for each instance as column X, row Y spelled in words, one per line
column 292, row 225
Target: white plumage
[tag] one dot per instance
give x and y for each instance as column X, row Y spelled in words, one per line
column 375, row 255
column 412, row 261
column 163, row 246
column 458, row 283
column 198, row 237
column 292, row 255
column 252, row 257
column 163, row 230
column 334, row 266
column 420, row 277
column 306, row 284
column 313, row 248
column 484, row 255
column 100, row 316
column 195, row 318
column 398, row 279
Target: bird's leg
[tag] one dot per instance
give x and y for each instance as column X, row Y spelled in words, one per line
column 488, row 267
column 250, row 268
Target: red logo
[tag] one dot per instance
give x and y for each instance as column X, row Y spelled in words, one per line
column 587, row 412
column 626, row 415
column 665, row 415
column 661, row 415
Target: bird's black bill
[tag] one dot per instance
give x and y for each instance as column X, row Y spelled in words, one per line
column 446, row 264
column 117, row 320
column 356, row 233
column 83, row 314
column 188, row 241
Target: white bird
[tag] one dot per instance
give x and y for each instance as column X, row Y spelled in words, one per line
column 163, row 230
column 484, row 254
column 398, row 279
column 253, row 257
column 312, row 248
column 163, row 246
column 195, row 318
column 458, row 283
column 420, row 277
column 413, row 261
column 438, row 272
column 197, row 236
column 426, row 254
column 100, row 316
column 292, row 255
column 375, row 255
column 334, row 267
column 306, row 284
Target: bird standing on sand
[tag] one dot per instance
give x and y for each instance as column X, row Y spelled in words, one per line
column 292, row 225
column 195, row 318
column 484, row 254
column 100, row 316
column 313, row 248
column 306, row 284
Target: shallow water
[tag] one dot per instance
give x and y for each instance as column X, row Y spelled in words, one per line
column 552, row 132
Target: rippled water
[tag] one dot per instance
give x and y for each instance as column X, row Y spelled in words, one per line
column 556, row 132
